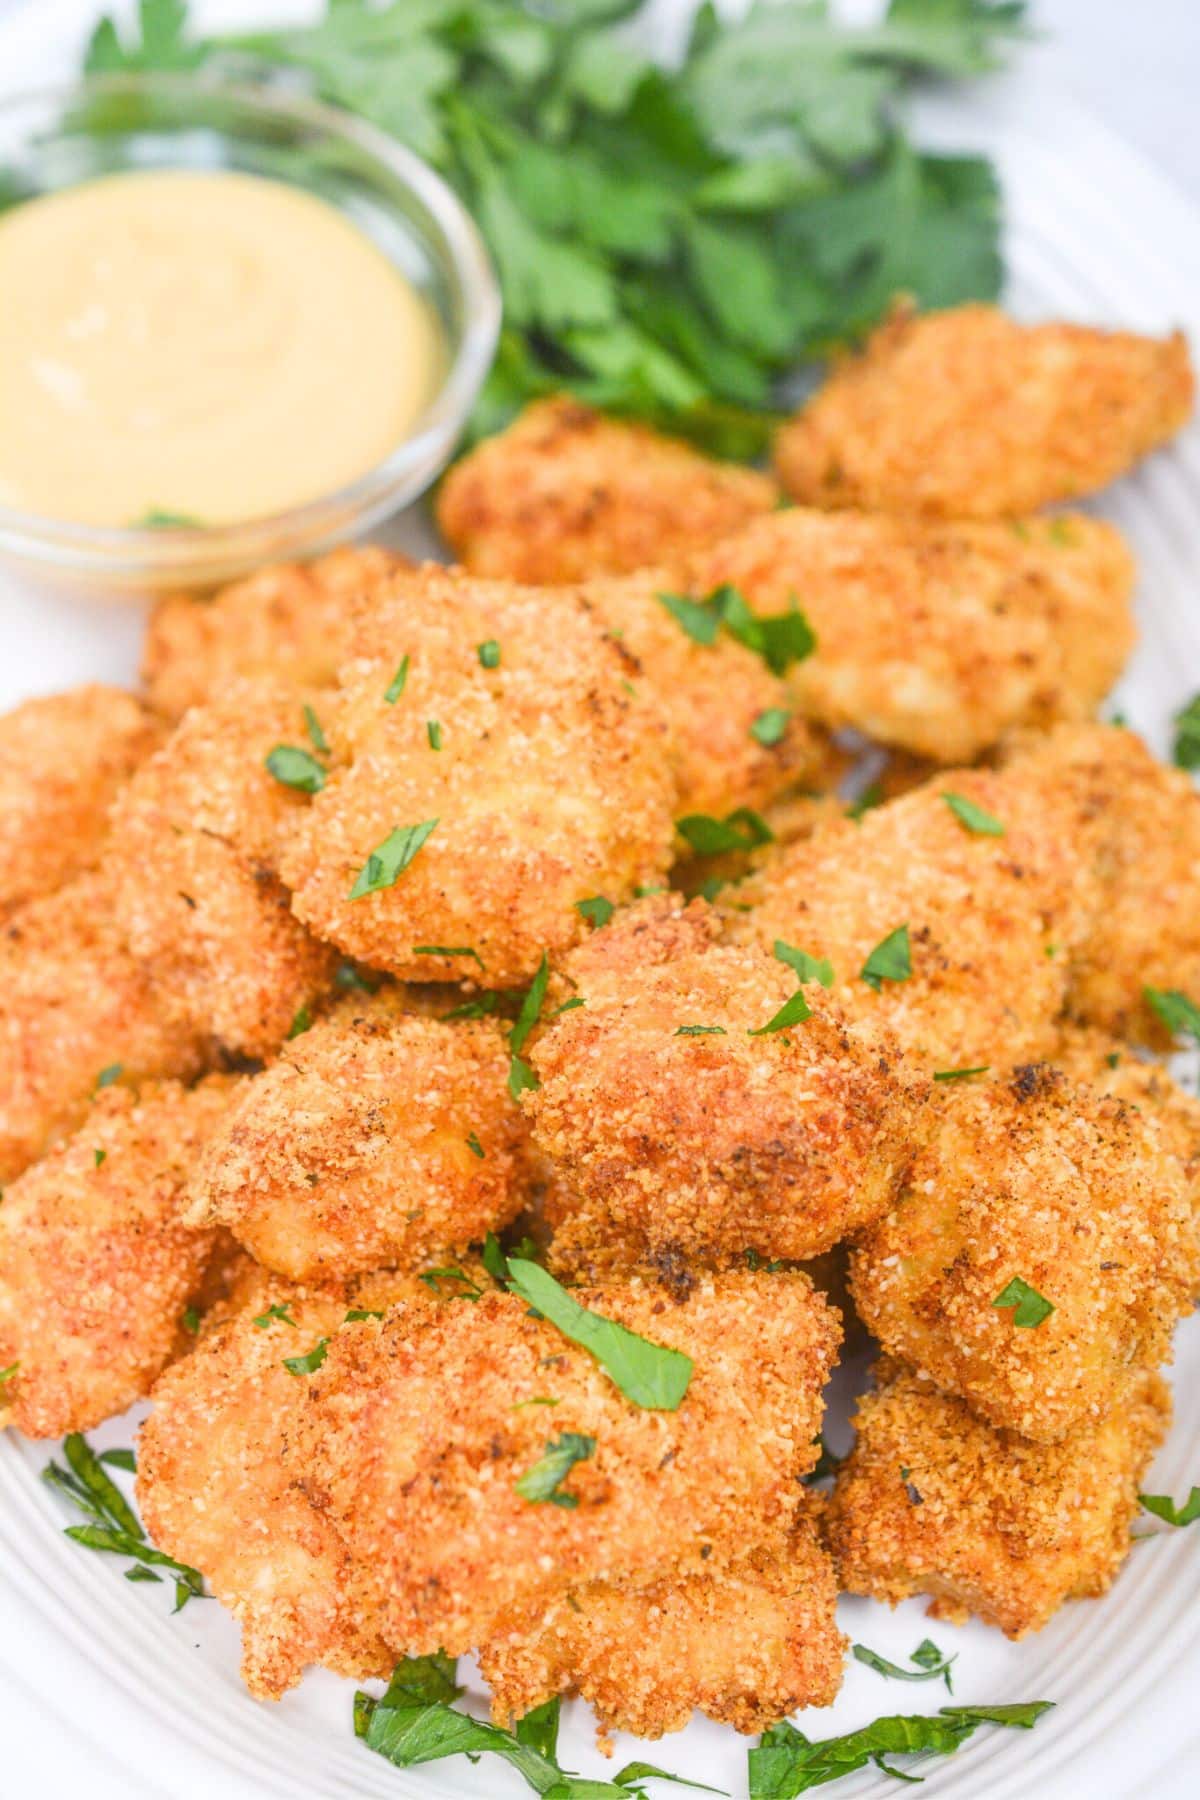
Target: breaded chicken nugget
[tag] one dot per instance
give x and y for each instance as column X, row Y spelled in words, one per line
column 967, row 414
column 377, row 1138
column 989, row 915
column 420, row 1429
column 286, row 621
column 496, row 760
column 193, row 858
column 96, row 1267
column 61, row 760
column 686, row 1125
column 1032, row 1194
column 746, row 1644
column 75, row 1010
column 565, row 494
column 933, row 1501
column 939, row 638
column 217, row 1484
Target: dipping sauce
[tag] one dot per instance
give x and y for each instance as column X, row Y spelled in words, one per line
column 199, row 347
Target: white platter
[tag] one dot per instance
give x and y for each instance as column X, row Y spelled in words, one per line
column 102, row 1692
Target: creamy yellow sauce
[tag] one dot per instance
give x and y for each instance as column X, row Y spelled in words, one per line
column 211, row 346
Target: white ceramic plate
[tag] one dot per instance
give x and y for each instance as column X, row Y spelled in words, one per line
column 101, row 1691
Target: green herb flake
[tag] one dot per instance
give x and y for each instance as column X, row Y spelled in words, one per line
column 543, row 1482
column 357, row 1315
column 700, row 1031
column 651, row 1375
column 521, row 1078
column 931, row 1665
column 459, row 1284
column 160, row 518
column 190, row 1320
column 890, row 960
column 976, row 820
column 307, row 1365
column 99, row 1157
column 1163, row 1507
column 7, row 1374
column 698, row 618
column 301, row 1023
column 296, row 768
column 280, row 1314
column 1180, row 1015
column 488, row 653
column 807, row 968
column 113, row 1525
column 536, row 1400
column 107, row 1076
column 785, row 1763
column 388, row 861
column 961, row 1074
column 597, row 911
column 871, row 797
column 531, row 1008
column 395, row 686
column 792, row 1012
column 447, row 950
column 433, row 732
column 1031, row 1309
column 742, row 829
column 770, row 727
column 316, row 736
column 1186, row 746
column 474, row 1146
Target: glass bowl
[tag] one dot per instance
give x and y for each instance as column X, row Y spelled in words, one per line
column 57, row 138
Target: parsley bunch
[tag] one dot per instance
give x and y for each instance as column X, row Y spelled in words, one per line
column 671, row 238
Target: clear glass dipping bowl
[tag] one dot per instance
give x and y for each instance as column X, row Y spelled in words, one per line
column 57, row 138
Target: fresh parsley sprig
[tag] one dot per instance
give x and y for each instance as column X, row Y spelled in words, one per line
column 113, row 1525
column 786, row 1763
column 931, row 1664
column 651, row 1375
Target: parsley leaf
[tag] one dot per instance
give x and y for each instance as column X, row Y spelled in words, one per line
column 1163, row 1507
column 771, row 726
column 650, row 1375
column 890, row 960
column 395, row 686
column 296, row 768
column 113, row 1525
column 1186, row 748
column 792, row 1012
column 474, row 1146
column 489, row 653
column 808, row 968
column 700, row 1031
column 1031, row 1309
column 447, row 950
column 279, row 1314
column 598, row 911
column 1180, row 1015
column 976, row 820
column 388, row 861
column 301, row 1022
column 931, row 1664
column 433, row 732
column 316, row 736
column 742, row 829
column 544, row 1480
column 307, row 1365
column 961, row 1074
column 786, row 1763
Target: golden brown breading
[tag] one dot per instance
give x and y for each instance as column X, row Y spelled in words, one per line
column 193, row 859
column 676, row 1144
column 968, row 414
column 545, row 779
column 74, row 1004
column 96, row 1266
column 217, row 1484
column 418, row 1431
column 1029, row 1179
column 61, row 760
column 939, row 638
column 565, row 494
column 746, row 1645
column 378, row 1138
column 286, row 621
column 933, row 1501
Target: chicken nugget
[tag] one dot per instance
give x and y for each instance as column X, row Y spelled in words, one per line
column 96, row 1267
column 565, row 493
column 286, row 621
column 377, row 1138
column 427, row 1437
column 1042, row 1247
column 496, row 759
column 931, row 1500
column 687, row 1124
column 746, row 1644
column 61, row 760
column 193, row 861
column 938, row 638
column 76, row 1010
column 968, row 414
column 217, row 1484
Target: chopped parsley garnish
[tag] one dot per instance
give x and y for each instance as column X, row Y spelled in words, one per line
column 543, row 1482
column 433, row 732
column 890, row 960
column 120, row 1459
column 107, row 1076
column 651, row 1375
column 597, row 911
column 99, row 1157
column 460, row 1283
column 700, row 1031
column 1180, row 1015
column 489, row 653
column 961, row 1074
column 357, row 1314
column 781, row 639
column 1163, row 1507
column 807, row 968
column 931, row 1664
column 536, row 1400
column 973, row 817
column 316, row 736
column 160, row 518
column 296, row 768
column 276, row 1315
column 1031, row 1309
column 113, row 1526
column 1186, row 748
column 301, row 1023
column 786, row 1763
column 307, row 1365
column 792, row 1012
column 771, row 726
column 447, row 950
column 474, row 1146
column 699, row 618
column 871, row 797
column 570, row 1005
column 388, row 861
column 6, row 1375
column 190, row 1320
column 521, row 1078
column 395, row 686
column 742, row 829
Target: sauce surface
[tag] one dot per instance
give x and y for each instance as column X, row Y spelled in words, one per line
column 209, row 347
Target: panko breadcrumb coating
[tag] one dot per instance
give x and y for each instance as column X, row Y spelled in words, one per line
column 746, row 1645
column 683, row 1137
column 418, row 1430
column 968, row 414
column 96, row 1267
column 565, row 494
column 218, row 1484
column 543, row 776
column 377, row 1138
column 286, row 621
column 933, row 1501
column 1030, row 1180
column 939, row 638
column 75, row 1008
column 62, row 758
column 193, row 861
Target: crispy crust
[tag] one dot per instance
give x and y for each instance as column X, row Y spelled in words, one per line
column 565, row 494
column 967, row 414
column 933, row 1501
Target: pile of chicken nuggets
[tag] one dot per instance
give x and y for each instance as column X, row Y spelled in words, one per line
column 412, row 912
